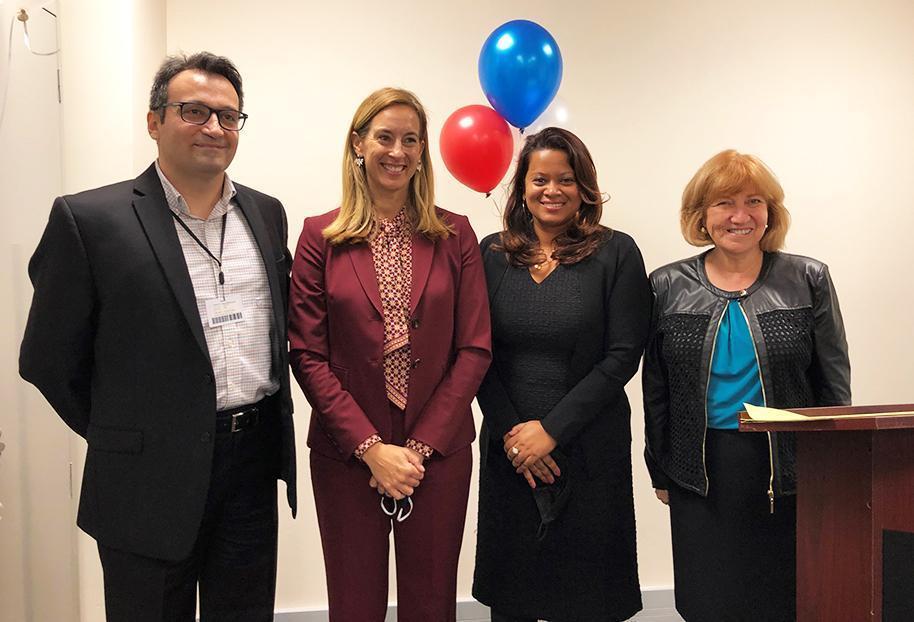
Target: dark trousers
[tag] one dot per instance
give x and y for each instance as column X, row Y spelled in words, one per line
column 355, row 535
column 234, row 557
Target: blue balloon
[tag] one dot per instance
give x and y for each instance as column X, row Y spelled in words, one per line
column 520, row 69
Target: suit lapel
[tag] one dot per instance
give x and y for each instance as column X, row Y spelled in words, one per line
column 423, row 251
column 363, row 264
column 152, row 210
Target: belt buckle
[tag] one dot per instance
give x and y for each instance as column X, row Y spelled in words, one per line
column 235, row 420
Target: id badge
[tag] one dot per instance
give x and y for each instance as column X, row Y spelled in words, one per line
column 222, row 312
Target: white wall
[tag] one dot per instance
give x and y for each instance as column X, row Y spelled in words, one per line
column 822, row 91
column 37, row 540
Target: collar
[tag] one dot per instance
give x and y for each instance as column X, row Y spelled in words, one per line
column 395, row 226
column 398, row 221
column 768, row 258
column 177, row 204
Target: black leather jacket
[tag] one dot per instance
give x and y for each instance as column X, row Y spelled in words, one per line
column 796, row 326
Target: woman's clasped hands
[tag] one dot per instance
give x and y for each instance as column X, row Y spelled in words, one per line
column 395, row 471
column 528, row 446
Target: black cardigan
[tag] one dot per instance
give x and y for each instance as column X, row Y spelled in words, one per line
column 593, row 419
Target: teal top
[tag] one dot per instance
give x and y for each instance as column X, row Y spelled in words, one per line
column 735, row 376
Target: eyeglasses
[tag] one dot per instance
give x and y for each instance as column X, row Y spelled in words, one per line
column 199, row 114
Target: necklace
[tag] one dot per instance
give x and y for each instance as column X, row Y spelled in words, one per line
column 550, row 260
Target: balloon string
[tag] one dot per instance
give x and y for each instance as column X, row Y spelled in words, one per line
column 495, row 203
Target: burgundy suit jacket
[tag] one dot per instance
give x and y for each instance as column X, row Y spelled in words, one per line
column 336, row 336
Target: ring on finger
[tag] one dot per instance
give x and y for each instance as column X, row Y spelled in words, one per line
column 515, row 450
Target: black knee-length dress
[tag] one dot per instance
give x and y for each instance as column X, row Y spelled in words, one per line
column 581, row 567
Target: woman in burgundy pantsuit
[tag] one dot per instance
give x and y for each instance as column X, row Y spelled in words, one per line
column 389, row 336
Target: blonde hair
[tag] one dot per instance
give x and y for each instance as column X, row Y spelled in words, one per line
column 727, row 173
column 355, row 220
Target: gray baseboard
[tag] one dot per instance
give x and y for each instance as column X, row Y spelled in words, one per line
column 658, row 607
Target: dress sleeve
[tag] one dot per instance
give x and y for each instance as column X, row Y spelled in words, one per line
column 498, row 410
column 656, row 393
column 626, row 315
column 831, row 369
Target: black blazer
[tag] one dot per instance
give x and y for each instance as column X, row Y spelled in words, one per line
column 593, row 419
column 115, row 344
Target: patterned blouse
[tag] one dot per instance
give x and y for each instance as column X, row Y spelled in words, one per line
column 391, row 247
column 393, row 262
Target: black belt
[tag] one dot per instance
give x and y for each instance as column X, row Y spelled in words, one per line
column 240, row 418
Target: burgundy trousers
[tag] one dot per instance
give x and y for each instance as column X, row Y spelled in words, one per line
column 355, row 536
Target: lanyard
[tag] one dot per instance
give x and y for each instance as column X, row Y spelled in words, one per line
column 218, row 260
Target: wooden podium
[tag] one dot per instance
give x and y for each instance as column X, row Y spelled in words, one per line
column 855, row 511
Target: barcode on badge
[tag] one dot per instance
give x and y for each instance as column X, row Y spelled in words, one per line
column 222, row 319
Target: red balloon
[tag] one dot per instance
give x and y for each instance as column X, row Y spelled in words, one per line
column 477, row 147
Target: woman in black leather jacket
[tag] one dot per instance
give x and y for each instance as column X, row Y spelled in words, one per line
column 740, row 323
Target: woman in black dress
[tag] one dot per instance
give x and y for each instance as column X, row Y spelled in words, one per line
column 570, row 313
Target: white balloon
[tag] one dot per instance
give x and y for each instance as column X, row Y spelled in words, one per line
column 557, row 114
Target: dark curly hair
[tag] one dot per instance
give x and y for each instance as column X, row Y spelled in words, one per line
column 584, row 234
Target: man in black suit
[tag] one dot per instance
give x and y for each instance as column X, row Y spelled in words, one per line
column 158, row 333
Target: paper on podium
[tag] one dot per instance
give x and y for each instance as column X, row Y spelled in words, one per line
column 774, row 415
column 763, row 413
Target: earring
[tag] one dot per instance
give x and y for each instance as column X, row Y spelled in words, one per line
column 419, row 167
column 360, row 161
column 702, row 229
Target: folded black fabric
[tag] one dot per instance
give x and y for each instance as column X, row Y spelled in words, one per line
column 551, row 499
